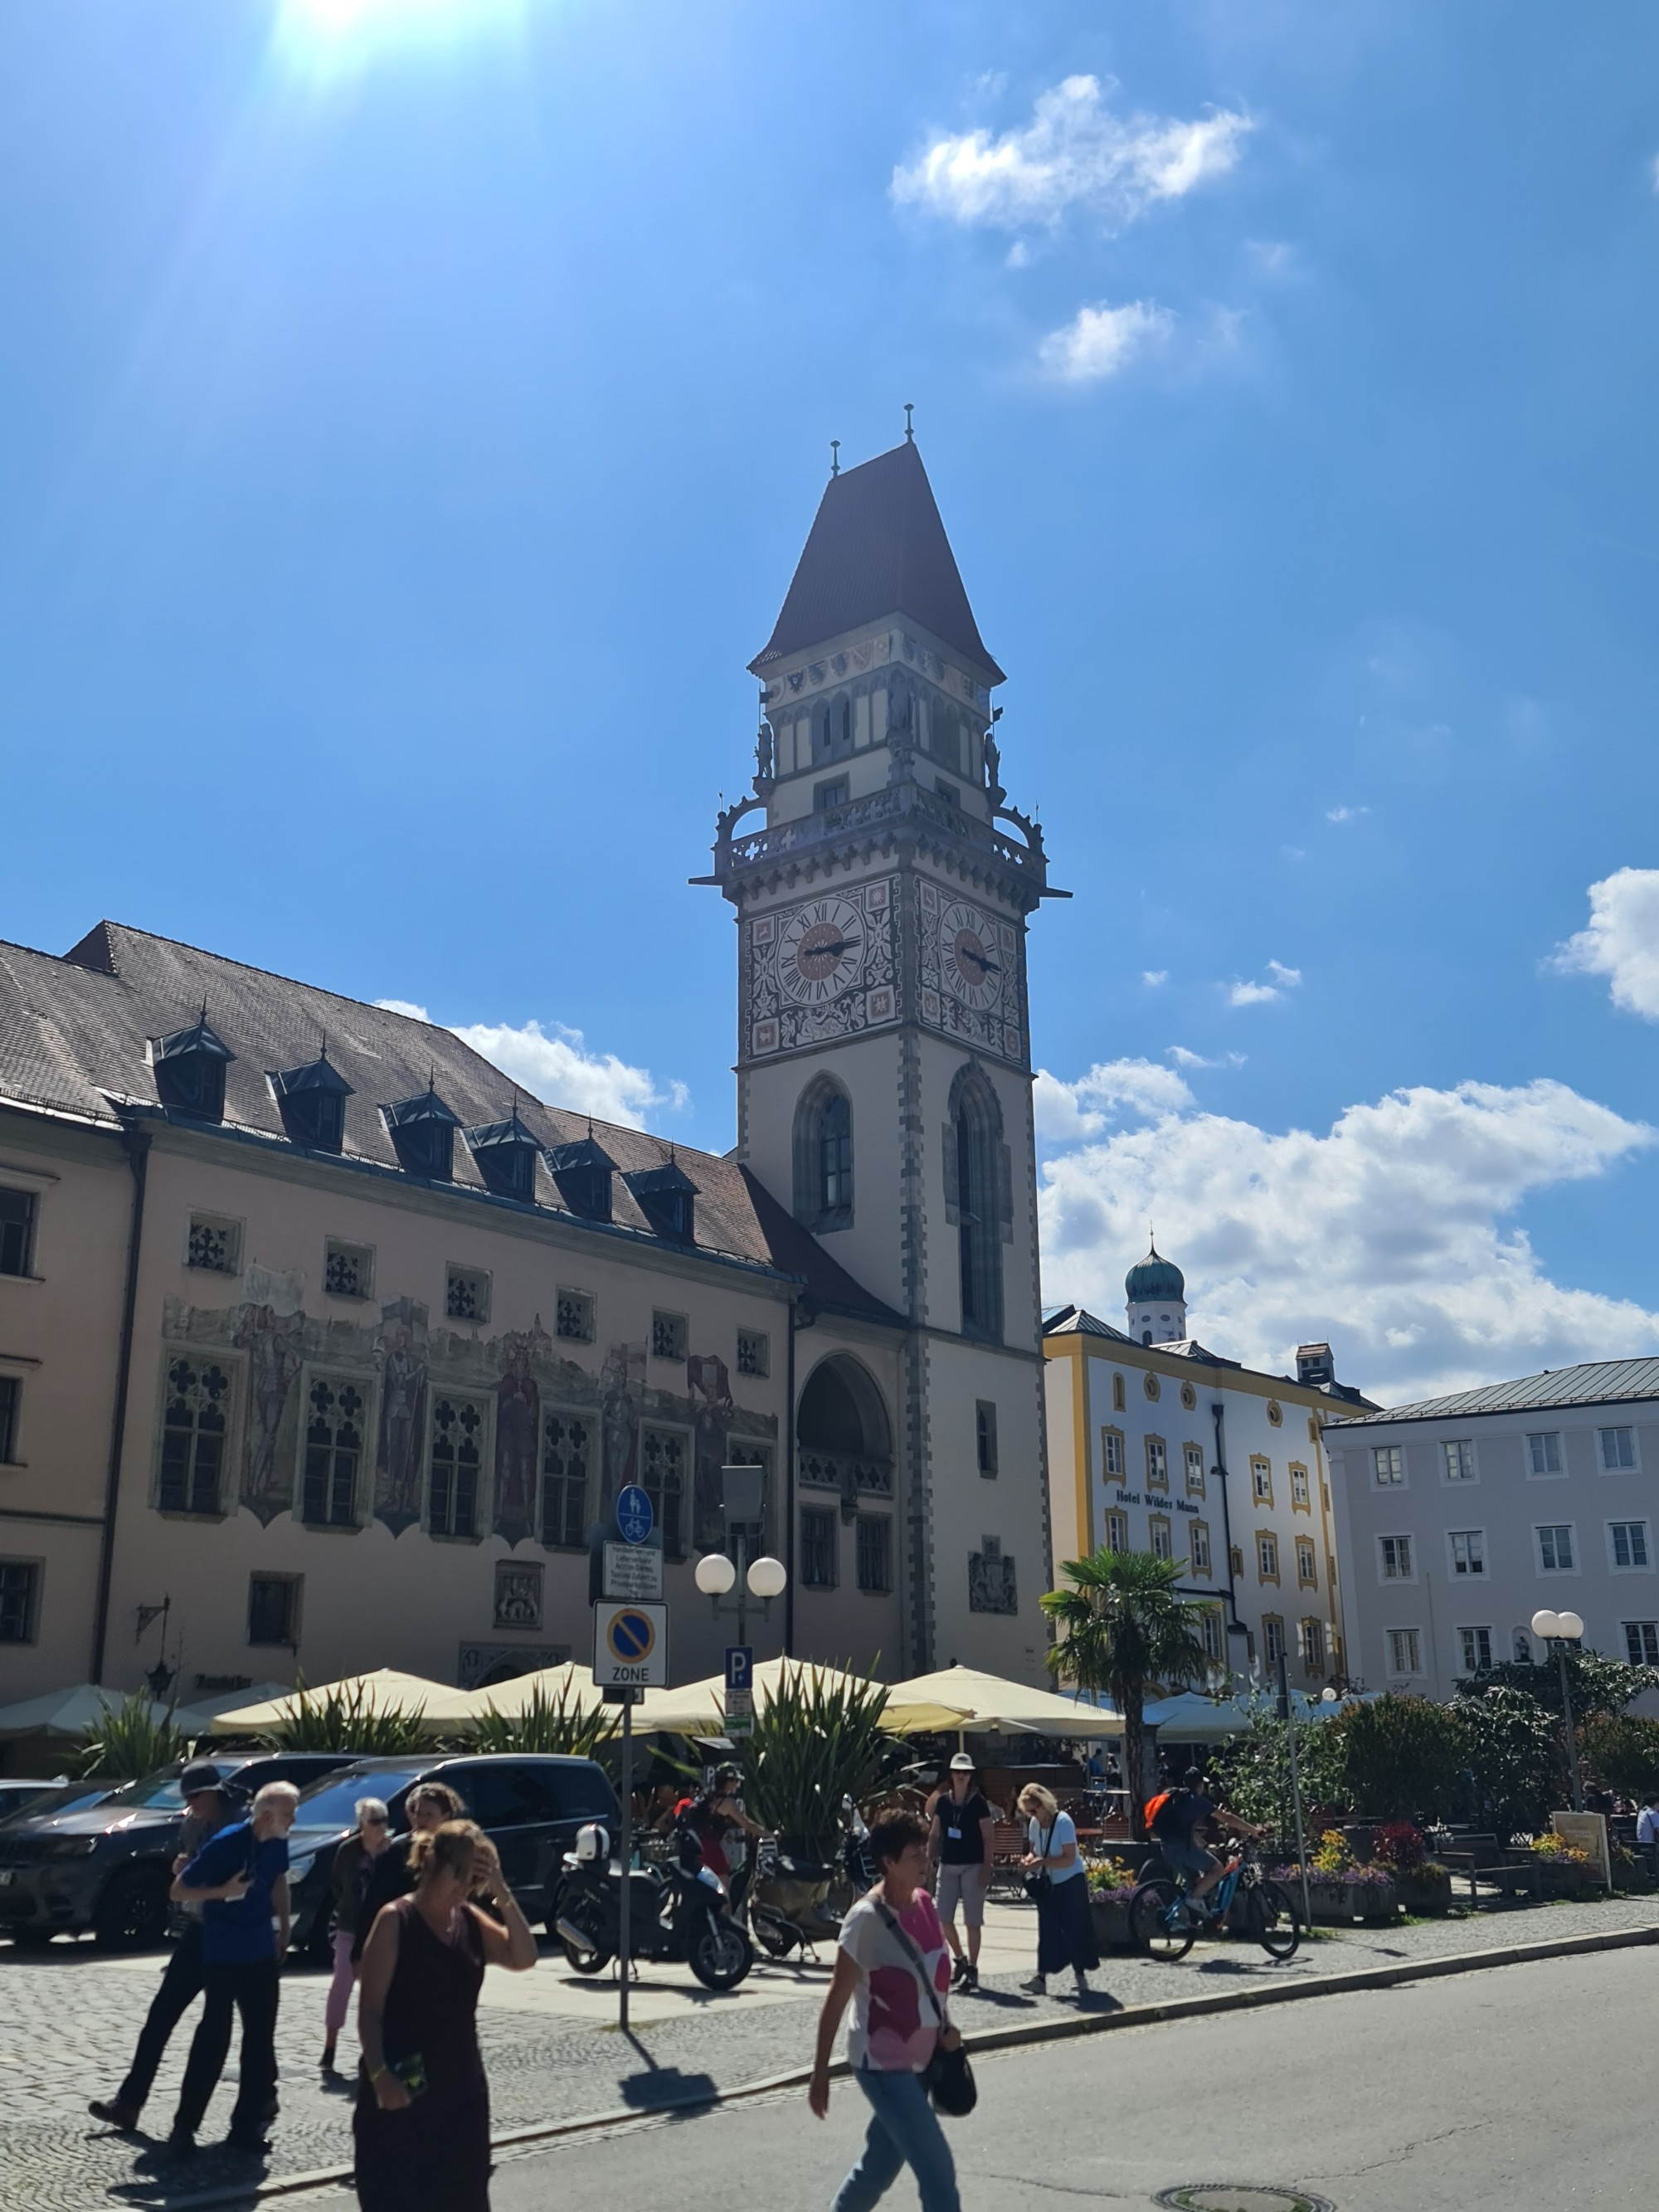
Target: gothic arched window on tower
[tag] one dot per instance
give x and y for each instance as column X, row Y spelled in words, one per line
column 832, row 730
column 823, row 1157
column 945, row 735
column 974, row 1185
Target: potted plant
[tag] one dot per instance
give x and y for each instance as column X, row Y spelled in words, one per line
column 1421, row 1884
column 1338, row 1890
column 1111, row 1886
column 1568, row 1872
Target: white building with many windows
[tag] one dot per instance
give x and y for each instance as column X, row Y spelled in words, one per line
column 1459, row 1518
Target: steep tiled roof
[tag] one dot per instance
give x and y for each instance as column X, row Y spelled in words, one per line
column 1598, row 1381
column 877, row 548
column 1073, row 1320
column 74, row 1033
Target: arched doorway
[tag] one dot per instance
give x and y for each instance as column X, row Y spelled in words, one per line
column 844, row 1456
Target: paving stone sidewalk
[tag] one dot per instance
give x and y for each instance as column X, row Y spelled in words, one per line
column 68, row 2019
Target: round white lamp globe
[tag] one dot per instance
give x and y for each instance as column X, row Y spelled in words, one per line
column 1327, row 1696
column 715, row 1574
column 767, row 1577
column 1571, row 1627
column 1546, row 1625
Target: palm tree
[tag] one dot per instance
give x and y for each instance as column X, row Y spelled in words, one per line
column 1124, row 1627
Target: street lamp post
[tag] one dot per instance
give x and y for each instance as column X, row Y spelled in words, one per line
column 1564, row 1632
column 716, row 1576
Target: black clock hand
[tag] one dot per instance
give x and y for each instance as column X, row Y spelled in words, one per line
column 818, row 951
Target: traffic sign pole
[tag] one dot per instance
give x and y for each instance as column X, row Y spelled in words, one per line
column 624, row 1911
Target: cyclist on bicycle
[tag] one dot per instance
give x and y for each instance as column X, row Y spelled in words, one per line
column 1177, row 1819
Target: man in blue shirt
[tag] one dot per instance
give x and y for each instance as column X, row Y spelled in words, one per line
column 239, row 1879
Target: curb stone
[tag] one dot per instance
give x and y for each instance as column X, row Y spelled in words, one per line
column 1034, row 2031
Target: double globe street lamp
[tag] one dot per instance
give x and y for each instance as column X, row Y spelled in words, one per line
column 1564, row 1632
column 743, row 1491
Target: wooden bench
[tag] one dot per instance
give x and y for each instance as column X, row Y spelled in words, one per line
column 1483, row 1858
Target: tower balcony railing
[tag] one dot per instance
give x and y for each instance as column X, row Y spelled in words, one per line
column 851, row 1475
column 904, row 807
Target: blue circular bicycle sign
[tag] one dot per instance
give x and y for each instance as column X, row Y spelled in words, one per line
column 635, row 1518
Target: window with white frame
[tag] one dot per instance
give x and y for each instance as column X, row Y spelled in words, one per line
column 1394, row 1559
column 1213, row 1629
column 1261, row 1481
column 455, row 1466
column 1459, row 1454
column 1312, row 1637
column 1617, row 1449
column 1388, row 1469
column 1544, row 1453
column 1306, row 1564
column 1198, row 1535
column 1111, row 1453
column 1555, row 1547
column 1405, row 1647
column 1299, row 1497
column 1193, row 1456
column 1266, row 1557
column 1163, row 1544
column 1467, row 1547
column 1475, row 1645
column 1158, row 1464
column 1117, row 1532
column 1628, row 1546
column 335, row 1431
column 1273, row 1638
column 1641, row 1642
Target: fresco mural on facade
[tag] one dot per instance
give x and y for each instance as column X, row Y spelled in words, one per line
column 518, row 1429
column 270, row 1329
column 711, row 1400
column 401, row 1347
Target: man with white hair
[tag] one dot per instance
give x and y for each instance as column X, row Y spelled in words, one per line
column 239, row 1879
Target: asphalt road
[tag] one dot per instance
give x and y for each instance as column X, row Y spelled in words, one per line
column 1529, row 2087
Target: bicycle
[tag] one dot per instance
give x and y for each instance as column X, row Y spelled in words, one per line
column 1166, row 1922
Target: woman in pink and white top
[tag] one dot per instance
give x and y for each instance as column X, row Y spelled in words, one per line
column 890, row 1941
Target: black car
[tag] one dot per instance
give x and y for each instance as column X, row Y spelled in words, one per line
column 529, row 1805
column 86, row 1857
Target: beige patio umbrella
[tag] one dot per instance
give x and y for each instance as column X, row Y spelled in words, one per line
column 699, row 1707
column 988, row 1703
column 571, row 1684
column 440, row 1705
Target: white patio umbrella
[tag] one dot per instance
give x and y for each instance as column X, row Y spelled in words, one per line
column 988, row 1703
column 438, row 1705
column 698, row 1708
column 571, row 1684
column 65, row 1712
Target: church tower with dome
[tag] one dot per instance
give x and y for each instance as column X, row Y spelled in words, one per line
column 1156, row 1293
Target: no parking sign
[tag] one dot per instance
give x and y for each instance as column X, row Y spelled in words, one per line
column 631, row 1645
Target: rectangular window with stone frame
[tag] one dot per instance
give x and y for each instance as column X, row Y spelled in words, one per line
column 455, row 1464
column 1311, row 1636
column 466, row 1293
column 985, row 1436
column 819, row 1546
column 332, row 1457
column 1307, row 1564
column 16, row 1229
column 1273, row 1638
column 669, row 1335
column 1111, row 1453
column 573, row 1315
column 1117, row 1532
column 754, row 1353
column 1266, row 1557
column 273, row 1609
column 1193, row 1454
column 20, row 1600
column 1198, row 1536
column 1162, row 1542
column 1158, row 1464
column 875, row 1552
column 1213, row 1631
column 1262, row 1480
column 566, row 1444
column 11, row 1402
column 348, row 1269
column 214, row 1244
column 662, row 1477
column 1301, row 1499
column 198, row 1400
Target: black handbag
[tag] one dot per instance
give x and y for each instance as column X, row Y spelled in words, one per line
column 1038, row 1885
column 947, row 2077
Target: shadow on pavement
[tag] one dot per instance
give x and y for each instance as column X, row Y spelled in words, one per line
column 657, row 2088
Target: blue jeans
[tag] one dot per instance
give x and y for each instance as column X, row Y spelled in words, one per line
column 904, row 2130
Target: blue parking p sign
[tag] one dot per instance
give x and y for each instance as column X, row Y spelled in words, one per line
column 739, row 1667
column 635, row 1518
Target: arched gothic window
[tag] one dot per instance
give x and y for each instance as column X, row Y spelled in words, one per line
column 832, row 730
column 976, row 1194
column 823, row 1157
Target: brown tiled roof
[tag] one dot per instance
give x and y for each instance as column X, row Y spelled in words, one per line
column 876, row 547
column 74, row 1032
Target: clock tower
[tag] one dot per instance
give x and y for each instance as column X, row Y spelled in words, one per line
column 885, row 1082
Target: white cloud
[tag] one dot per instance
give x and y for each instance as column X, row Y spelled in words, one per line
column 1153, row 976
column 1346, row 813
column 1653, row 172
column 1263, row 994
column 555, row 1067
column 1099, row 341
column 1622, row 941
column 1289, row 979
column 1074, row 152
column 1183, row 1058
column 1111, row 1089
column 1391, row 1234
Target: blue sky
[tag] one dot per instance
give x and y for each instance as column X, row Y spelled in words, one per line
column 410, row 413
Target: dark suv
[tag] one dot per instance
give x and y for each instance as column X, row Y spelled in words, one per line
column 529, row 1806
column 66, row 1864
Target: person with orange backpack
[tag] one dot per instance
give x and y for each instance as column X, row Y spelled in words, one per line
column 1177, row 1819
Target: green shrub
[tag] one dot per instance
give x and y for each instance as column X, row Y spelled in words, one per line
column 346, row 1719
column 560, row 1725
column 818, row 1740
column 1513, row 1747
column 1622, row 1750
column 127, row 1742
column 1402, row 1756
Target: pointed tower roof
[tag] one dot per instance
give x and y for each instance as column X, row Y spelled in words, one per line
column 876, row 547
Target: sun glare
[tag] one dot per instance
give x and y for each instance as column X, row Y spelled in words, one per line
column 327, row 36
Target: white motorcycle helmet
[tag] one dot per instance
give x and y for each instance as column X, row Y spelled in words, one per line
column 592, row 1845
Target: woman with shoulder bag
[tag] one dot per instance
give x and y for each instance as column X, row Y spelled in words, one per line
column 892, row 1966
column 1054, row 1878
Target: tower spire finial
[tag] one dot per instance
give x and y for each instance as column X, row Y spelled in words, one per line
column 835, row 456
column 909, row 426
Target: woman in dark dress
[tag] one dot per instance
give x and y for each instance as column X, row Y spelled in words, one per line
column 422, row 2125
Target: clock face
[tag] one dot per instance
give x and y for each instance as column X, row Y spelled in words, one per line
column 970, row 959
column 821, row 951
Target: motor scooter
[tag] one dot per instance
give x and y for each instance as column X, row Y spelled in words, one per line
column 675, row 1916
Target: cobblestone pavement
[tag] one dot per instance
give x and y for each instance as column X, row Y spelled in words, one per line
column 68, row 2018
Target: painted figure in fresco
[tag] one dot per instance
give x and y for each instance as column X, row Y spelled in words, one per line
column 711, row 1411
column 517, row 1404
column 274, row 1345
column 621, row 1394
column 403, row 1415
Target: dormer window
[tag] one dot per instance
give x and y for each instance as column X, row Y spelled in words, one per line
column 665, row 1196
column 311, row 1102
column 581, row 1176
column 190, row 1071
column 423, row 1136
column 506, row 1154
